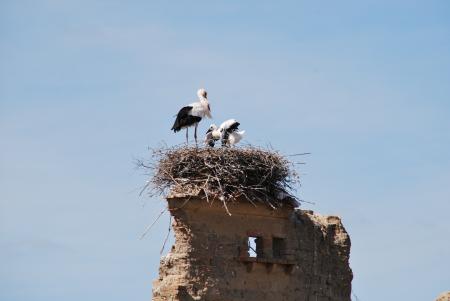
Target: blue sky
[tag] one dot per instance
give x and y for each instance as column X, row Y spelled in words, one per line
column 87, row 86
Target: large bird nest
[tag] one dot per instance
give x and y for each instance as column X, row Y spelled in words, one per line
column 254, row 174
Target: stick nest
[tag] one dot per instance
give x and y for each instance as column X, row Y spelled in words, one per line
column 256, row 174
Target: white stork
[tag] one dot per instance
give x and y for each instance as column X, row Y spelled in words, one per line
column 228, row 131
column 212, row 135
column 192, row 114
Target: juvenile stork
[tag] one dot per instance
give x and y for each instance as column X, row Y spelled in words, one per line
column 229, row 131
column 192, row 114
column 212, row 135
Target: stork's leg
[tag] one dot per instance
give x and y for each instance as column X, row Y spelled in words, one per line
column 195, row 133
column 225, row 139
column 187, row 136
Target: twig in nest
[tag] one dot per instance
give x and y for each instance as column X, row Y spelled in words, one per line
column 167, row 236
column 145, row 186
column 150, row 226
column 301, row 154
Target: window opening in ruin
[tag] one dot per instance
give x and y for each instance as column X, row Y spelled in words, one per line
column 278, row 247
column 255, row 248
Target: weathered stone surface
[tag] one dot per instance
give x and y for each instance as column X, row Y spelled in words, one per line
column 302, row 255
column 444, row 297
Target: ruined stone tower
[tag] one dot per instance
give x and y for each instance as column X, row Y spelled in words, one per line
column 256, row 254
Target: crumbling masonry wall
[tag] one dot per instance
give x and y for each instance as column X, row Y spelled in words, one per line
column 300, row 255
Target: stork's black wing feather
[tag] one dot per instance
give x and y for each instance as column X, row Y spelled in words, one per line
column 233, row 127
column 184, row 119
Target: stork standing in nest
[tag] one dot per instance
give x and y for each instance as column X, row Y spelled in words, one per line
column 192, row 114
column 228, row 132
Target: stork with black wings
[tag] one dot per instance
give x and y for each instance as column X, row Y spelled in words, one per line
column 192, row 114
column 230, row 133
